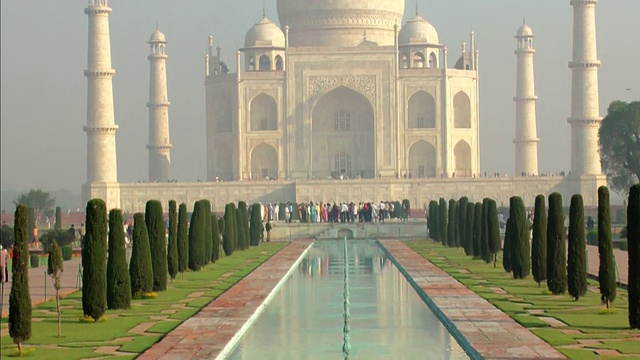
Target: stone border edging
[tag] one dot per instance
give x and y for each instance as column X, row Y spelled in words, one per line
column 451, row 327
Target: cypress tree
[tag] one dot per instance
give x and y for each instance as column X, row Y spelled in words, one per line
column 442, row 221
column 451, row 224
column 172, row 250
column 256, row 225
column 118, row 281
column 221, row 227
column 468, row 232
column 477, row 231
column 633, row 240
column 508, row 241
column 156, row 228
column 462, row 222
column 606, row 271
column 58, row 225
column 196, row 237
column 208, row 232
column 140, row 270
column 183, row 239
column 244, row 211
column 485, row 253
column 54, row 269
column 19, row 297
column 432, row 222
column 520, row 251
column 215, row 238
column 240, row 229
column 539, row 243
column 94, row 255
column 556, row 247
column 230, row 228
column 495, row 243
column 576, row 265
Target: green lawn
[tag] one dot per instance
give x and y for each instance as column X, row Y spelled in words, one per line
column 527, row 303
column 80, row 340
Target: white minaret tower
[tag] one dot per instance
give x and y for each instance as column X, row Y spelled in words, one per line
column 526, row 135
column 159, row 145
column 102, row 167
column 585, row 103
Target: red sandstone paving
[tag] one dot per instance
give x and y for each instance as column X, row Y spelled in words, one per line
column 491, row 332
column 206, row 334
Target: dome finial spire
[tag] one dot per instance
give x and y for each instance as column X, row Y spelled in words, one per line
column 264, row 10
column 524, row 20
column 417, row 8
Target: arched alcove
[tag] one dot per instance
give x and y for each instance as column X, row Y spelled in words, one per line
column 264, row 113
column 265, row 63
column 422, row 160
column 462, row 154
column 343, row 120
column 418, row 60
column 264, row 162
column 461, row 111
column 279, row 63
column 422, row 111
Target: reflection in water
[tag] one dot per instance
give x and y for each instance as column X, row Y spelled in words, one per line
column 388, row 319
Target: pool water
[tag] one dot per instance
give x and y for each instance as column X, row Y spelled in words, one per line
column 387, row 318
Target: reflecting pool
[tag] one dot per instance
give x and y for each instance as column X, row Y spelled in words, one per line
column 387, row 318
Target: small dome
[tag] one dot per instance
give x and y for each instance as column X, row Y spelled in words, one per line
column 525, row 30
column 264, row 34
column 418, row 30
column 157, row 36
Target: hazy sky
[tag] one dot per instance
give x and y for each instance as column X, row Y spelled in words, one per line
column 43, row 91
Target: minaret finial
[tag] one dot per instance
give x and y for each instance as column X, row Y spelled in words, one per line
column 156, row 25
column 524, row 21
column 416, row 7
column 264, row 10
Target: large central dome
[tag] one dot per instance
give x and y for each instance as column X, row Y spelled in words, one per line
column 340, row 22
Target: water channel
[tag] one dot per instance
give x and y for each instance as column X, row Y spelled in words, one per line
column 388, row 320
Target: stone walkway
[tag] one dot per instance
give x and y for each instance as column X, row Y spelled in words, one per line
column 207, row 334
column 37, row 280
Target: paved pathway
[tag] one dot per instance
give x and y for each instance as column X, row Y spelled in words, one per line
column 622, row 260
column 37, row 279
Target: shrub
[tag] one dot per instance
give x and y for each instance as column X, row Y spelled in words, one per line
column 55, row 267
column 432, row 221
column 34, row 260
column 451, row 224
column 592, row 237
column 67, row 252
column 281, row 211
column 172, row 248
column 508, row 244
column 197, row 231
column 477, row 231
column 468, row 232
column 215, row 234
column 154, row 219
column 495, row 243
column 577, row 264
column 606, row 270
column 633, row 243
column 461, row 222
column 407, row 205
column 118, row 281
column 442, row 221
column 94, row 256
column 539, row 242
column 183, row 238
column 255, row 230
column 556, row 247
column 229, row 236
column 19, row 297
column 520, row 251
column 140, row 270
column 624, row 246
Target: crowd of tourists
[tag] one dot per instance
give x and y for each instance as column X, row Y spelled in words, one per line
column 343, row 212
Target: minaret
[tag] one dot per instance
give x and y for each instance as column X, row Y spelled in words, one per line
column 526, row 135
column 159, row 146
column 101, row 128
column 585, row 103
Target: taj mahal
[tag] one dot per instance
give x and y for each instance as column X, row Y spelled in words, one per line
column 342, row 100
